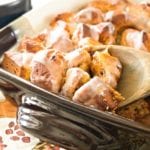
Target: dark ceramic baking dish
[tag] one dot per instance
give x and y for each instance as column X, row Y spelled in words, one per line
column 52, row 117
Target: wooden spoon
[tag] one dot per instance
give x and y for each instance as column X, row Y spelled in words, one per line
column 135, row 79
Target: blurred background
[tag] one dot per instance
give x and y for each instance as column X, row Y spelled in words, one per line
column 12, row 9
column 39, row 3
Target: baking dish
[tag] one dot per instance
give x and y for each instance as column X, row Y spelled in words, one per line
column 53, row 119
column 90, row 128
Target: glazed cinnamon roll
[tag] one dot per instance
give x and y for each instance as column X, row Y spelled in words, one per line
column 106, row 67
column 96, row 94
column 136, row 39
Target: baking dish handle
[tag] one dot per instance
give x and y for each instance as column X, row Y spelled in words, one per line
column 73, row 130
column 7, row 39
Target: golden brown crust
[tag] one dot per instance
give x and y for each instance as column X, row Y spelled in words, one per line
column 96, row 94
column 48, row 70
column 136, row 39
column 107, row 67
column 136, row 110
column 75, row 78
column 66, row 17
column 60, row 37
column 33, row 44
column 89, row 15
column 133, row 15
column 79, row 58
column 83, row 31
column 107, row 5
column 16, row 64
column 107, row 33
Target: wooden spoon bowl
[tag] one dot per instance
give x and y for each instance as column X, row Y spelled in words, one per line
column 135, row 79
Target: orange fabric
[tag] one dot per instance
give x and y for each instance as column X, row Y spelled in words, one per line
column 8, row 108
